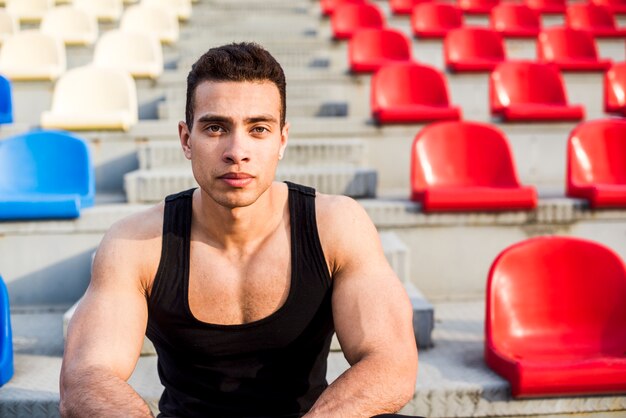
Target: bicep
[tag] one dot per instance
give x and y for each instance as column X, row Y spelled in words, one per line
column 108, row 325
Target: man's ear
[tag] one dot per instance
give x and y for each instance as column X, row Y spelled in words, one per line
column 284, row 138
column 185, row 139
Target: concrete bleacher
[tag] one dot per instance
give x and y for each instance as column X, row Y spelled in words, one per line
column 442, row 258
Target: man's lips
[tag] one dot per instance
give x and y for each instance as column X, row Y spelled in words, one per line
column 236, row 176
column 237, row 179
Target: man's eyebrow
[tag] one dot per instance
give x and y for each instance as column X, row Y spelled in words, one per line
column 261, row 118
column 214, row 118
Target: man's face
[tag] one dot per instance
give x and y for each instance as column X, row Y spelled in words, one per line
column 236, row 140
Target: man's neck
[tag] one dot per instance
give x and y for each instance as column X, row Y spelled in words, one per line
column 238, row 228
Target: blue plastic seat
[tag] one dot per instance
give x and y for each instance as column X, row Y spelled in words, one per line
column 45, row 175
column 6, row 338
column 6, row 101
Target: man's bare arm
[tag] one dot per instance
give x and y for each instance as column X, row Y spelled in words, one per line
column 106, row 333
column 373, row 319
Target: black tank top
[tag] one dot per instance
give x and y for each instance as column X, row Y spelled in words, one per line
column 273, row 367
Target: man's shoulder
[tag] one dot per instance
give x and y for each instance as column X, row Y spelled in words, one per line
column 144, row 224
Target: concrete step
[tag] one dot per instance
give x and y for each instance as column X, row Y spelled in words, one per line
column 144, row 186
column 305, row 152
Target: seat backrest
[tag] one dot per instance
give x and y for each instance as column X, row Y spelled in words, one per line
column 409, row 84
column 379, row 43
column 47, row 162
column 8, row 24
column 403, row 6
column 70, row 24
column 350, row 17
column 102, row 9
column 90, row 89
column 461, row 154
column 610, row 3
column 434, row 15
column 6, row 336
column 514, row 15
column 125, row 50
column 596, row 153
column 546, row 4
column 28, row 9
column 615, row 88
column 328, row 6
column 32, row 49
column 182, row 8
column 588, row 16
column 565, row 43
column 556, row 291
column 154, row 20
column 6, row 101
column 472, row 4
column 473, row 42
column 526, row 82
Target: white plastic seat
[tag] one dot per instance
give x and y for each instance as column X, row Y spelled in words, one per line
column 28, row 10
column 182, row 8
column 32, row 55
column 103, row 10
column 93, row 98
column 8, row 25
column 73, row 25
column 154, row 20
column 138, row 53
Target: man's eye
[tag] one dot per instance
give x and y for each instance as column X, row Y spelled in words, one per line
column 214, row 128
column 259, row 129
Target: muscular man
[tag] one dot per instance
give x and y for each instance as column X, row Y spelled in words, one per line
column 241, row 282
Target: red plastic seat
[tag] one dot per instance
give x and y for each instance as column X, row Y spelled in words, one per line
column 370, row 49
column 473, row 49
column 435, row 20
column 556, row 318
column 596, row 163
column 328, row 6
column 350, row 17
column 477, row 6
column 410, row 92
column 615, row 88
column 598, row 20
column 530, row 91
column 616, row 6
column 547, row 6
column 570, row 50
column 404, row 7
column 466, row 166
column 515, row 20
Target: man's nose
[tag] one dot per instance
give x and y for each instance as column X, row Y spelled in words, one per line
column 237, row 150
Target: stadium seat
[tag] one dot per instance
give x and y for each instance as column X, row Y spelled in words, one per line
column 73, row 25
column 6, row 101
column 596, row 163
column 28, row 10
column 138, row 53
column 6, row 336
column 473, row 49
column 8, row 25
column 547, row 6
column 615, row 88
column 515, row 20
column 349, row 18
column 45, row 175
column 477, row 6
column 435, row 20
column 616, row 6
column 403, row 7
column 103, row 10
column 182, row 8
column 370, row 49
column 466, row 166
column 599, row 20
column 409, row 93
column 570, row 50
column 152, row 20
column 32, row 55
column 93, row 98
column 530, row 91
column 556, row 318
column 328, row 6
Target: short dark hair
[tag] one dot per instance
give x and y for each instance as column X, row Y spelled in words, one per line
column 245, row 61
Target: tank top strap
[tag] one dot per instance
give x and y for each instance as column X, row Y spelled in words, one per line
column 175, row 246
column 309, row 254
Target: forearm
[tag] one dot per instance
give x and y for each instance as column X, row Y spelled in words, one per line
column 371, row 386
column 96, row 393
